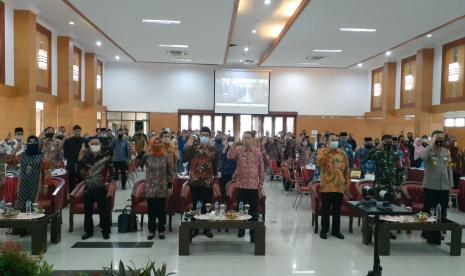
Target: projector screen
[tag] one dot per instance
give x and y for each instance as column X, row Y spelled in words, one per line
column 242, row 92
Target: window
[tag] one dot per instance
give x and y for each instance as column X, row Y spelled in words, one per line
column 2, row 42
column 229, row 125
column 39, row 117
column 290, row 124
column 453, row 60
column 195, row 122
column 267, row 126
column 99, row 82
column 117, row 120
column 44, row 59
column 278, row 125
column 207, row 121
column 218, row 123
column 246, row 124
column 376, row 89
column 77, row 73
column 184, row 122
column 454, row 119
column 407, row 85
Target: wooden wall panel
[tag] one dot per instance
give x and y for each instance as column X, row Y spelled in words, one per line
column 162, row 120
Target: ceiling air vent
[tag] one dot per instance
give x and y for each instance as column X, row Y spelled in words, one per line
column 314, row 58
column 177, row 54
column 249, row 61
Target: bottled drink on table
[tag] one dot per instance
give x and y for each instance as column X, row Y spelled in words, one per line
column 438, row 213
column 241, row 208
column 28, row 207
column 199, row 208
column 217, row 208
column 2, row 206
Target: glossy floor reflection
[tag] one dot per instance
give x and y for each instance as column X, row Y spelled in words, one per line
column 291, row 248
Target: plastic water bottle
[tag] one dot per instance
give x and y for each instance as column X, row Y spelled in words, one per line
column 241, row 208
column 217, row 208
column 199, row 207
column 28, row 207
column 438, row 213
column 2, row 206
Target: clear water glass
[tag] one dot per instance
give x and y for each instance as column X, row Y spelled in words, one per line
column 246, row 210
column 432, row 211
column 28, row 207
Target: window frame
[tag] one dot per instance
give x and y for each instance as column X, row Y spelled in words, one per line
column 77, row 51
column 372, row 92
column 444, row 72
column 402, row 82
column 41, row 29
column 99, row 91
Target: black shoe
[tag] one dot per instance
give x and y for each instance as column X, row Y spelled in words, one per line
column 434, row 242
column 392, row 236
column 323, row 236
column 338, row 235
column 106, row 236
column 241, row 233
column 162, row 236
column 86, row 236
column 150, row 237
column 194, row 233
column 208, row 234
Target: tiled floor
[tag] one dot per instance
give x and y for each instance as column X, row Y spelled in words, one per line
column 291, row 248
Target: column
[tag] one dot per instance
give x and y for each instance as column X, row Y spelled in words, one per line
column 423, row 92
column 388, row 95
column 65, row 81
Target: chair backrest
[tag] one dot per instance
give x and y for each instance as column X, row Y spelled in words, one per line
column 414, row 191
column 414, row 174
column 314, row 195
column 412, row 183
column 308, row 175
column 77, row 195
column 58, row 195
column 359, row 187
column 274, row 165
column 286, row 174
column 137, row 192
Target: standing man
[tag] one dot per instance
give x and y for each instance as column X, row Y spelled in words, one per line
column 203, row 171
column 346, row 147
column 72, row 146
column 457, row 160
column 438, row 180
column 140, row 141
column 61, row 133
column 366, row 166
column 52, row 148
column 352, row 142
column 335, row 181
column 121, row 157
column 250, row 176
column 97, row 170
column 410, row 145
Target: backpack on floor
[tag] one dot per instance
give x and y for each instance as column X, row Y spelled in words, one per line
column 127, row 222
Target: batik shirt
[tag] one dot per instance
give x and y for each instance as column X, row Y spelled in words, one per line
column 51, row 150
column 204, row 165
column 347, row 148
column 366, row 166
column 386, row 169
column 335, row 172
column 159, row 174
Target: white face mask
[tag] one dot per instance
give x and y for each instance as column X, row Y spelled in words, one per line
column 230, row 143
column 334, row 144
column 19, row 137
column 95, row 148
column 304, row 144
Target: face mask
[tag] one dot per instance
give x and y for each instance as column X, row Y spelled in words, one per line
column 32, row 149
column 95, row 148
column 230, row 143
column 376, row 144
column 19, row 137
column 120, row 136
column 49, row 135
column 304, row 144
column 204, row 140
column 387, row 146
column 424, row 141
column 368, row 146
column 394, row 147
column 104, row 135
column 439, row 143
column 166, row 140
column 334, row 144
column 410, row 137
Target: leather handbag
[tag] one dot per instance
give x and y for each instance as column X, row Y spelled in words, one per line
column 127, row 222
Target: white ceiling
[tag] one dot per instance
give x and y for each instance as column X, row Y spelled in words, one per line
column 396, row 20
column 206, row 25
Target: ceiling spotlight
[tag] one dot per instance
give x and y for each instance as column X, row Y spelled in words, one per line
column 359, row 65
column 254, row 31
column 388, row 53
column 162, row 21
column 71, row 22
column 117, row 57
column 267, row 2
column 429, row 35
column 98, row 43
column 246, row 49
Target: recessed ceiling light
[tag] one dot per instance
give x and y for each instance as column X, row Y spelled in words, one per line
column 359, row 65
column 173, row 45
column 327, row 50
column 162, row 21
column 254, row 31
column 241, row 60
column 246, row 49
column 182, row 59
column 71, row 22
column 267, row 2
column 365, row 30
column 388, row 53
column 98, row 43
column 429, row 35
column 117, row 57
column 309, row 63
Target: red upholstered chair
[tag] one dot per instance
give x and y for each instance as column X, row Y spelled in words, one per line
column 55, row 198
column 77, row 201
column 302, row 188
column 139, row 204
column 413, row 196
column 414, row 174
column 316, row 205
column 233, row 203
column 275, row 170
column 307, row 175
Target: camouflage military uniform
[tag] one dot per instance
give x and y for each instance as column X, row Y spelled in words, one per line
column 366, row 166
column 347, row 148
column 386, row 169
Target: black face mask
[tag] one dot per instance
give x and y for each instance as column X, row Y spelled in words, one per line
column 410, row 137
column 120, row 136
column 369, row 146
column 439, row 143
column 32, row 149
column 387, row 146
column 376, row 144
column 49, row 135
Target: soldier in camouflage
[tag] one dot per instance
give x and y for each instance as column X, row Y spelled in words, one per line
column 386, row 169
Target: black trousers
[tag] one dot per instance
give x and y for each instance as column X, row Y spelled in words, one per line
column 157, row 211
column 431, row 200
column 100, row 197
column 249, row 196
column 456, row 177
column 331, row 204
column 72, row 175
column 120, row 169
column 201, row 194
column 225, row 178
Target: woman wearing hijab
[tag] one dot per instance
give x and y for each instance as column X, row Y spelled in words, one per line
column 159, row 179
column 31, row 166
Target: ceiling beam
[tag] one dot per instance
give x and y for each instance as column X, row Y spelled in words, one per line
column 283, row 32
column 85, row 18
column 231, row 30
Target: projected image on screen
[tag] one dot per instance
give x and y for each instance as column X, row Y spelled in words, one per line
column 244, row 92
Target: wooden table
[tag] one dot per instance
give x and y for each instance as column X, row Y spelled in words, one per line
column 38, row 229
column 186, row 226
column 446, row 225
